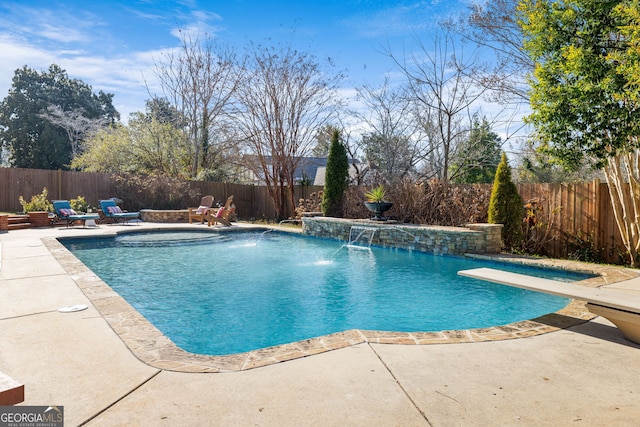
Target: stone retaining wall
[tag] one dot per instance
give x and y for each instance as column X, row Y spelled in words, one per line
column 474, row 238
column 152, row 215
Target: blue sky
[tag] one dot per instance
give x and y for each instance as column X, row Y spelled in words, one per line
column 111, row 45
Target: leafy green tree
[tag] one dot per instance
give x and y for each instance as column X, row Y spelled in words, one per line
column 336, row 177
column 628, row 61
column 145, row 146
column 585, row 93
column 576, row 86
column 476, row 159
column 159, row 148
column 506, row 206
column 108, row 151
column 32, row 140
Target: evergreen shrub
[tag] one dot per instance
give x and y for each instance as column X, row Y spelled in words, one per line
column 336, row 177
column 506, row 206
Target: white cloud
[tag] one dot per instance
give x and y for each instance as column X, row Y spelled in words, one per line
column 199, row 25
column 396, row 20
column 122, row 75
column 80, row 42
column 16, row 54
column 50, row 26
column 61, row 35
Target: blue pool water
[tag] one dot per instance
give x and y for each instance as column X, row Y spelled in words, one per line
column 224, row 293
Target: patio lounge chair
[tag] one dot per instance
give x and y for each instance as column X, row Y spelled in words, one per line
column 112, row 211
column 201, row 212
column 64, row 212
column 222, row 215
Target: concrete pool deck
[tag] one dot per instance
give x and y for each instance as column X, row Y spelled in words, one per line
column 585, row 374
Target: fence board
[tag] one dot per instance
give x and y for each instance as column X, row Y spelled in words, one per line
column 585, row 219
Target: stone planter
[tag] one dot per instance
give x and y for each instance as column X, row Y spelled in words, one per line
column 153, row 215
column 39, row 219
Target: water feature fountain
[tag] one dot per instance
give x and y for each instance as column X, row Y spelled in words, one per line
column 361, row 237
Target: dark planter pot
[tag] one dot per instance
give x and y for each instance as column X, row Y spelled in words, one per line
column 378, row 208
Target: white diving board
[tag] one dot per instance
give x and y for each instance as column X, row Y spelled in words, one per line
column 622, row 309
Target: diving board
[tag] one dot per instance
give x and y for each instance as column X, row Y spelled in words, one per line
column 622, row 309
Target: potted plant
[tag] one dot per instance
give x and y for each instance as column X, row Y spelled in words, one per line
column 376, row 202
column 79, row 204
column 38, row 208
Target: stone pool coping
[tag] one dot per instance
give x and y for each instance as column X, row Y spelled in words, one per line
column 152, row 347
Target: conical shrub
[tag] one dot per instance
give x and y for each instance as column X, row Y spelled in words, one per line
column 506, row 206
column 336, row 177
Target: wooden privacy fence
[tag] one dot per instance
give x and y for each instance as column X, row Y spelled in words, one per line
column 582, row 222
column 16, row 182
column 253, row 202
column 580, row 215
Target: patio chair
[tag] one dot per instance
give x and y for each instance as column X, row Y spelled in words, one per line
column 222, row 215
column 64, row 212
column 111, row 210
column 200, row 213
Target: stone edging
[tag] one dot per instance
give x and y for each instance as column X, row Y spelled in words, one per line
column 149, row 345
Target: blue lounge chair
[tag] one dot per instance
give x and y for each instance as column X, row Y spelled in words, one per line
column 111, row 210
column 66, row 213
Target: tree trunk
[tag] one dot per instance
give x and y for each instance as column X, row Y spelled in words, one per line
column 624, row 194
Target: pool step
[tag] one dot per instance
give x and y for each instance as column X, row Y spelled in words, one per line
column 24, row 221
column 18, row 222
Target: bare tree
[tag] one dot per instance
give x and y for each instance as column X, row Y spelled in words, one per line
column 199, row 80
column 444, row 98
column 283, row 101
column 388, row 141
column 358, row 170
column 75, row 123
column 493, row 24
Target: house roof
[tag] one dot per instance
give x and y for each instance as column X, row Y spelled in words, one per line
column 314, row 169
column 308, row 168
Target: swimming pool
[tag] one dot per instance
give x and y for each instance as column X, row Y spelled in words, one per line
column 224, row 293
